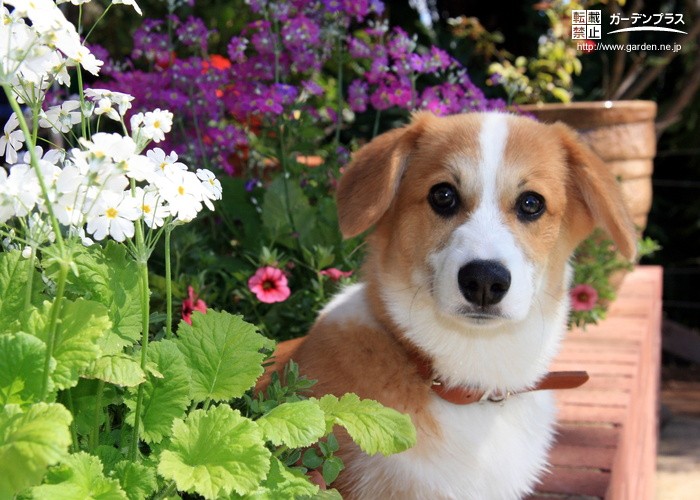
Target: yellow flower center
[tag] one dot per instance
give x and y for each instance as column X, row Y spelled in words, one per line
column 146, row 209
column 181, row 190
column 111, row 213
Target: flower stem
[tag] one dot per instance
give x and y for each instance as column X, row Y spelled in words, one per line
column 339, row 117
column 95, row 432
column 53, row 326
column 30, row 278
column 142, row 263
column 168, row 286
column 375, row 130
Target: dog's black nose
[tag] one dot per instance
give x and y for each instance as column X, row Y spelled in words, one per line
column 483, row 282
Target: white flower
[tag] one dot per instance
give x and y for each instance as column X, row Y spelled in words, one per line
column 80, row 233
column 113, row 214
column 163, row 164
column 153, row 211
column 131, row 3
column 62, row 118
column 104, row 107
column 183, row 193
column 211, row 187
column 87, row 60
column 21, row 190
column 12, row 140
column 152, row 125
column 39, row 231
column 119, row 99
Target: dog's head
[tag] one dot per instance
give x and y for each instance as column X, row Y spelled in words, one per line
column 480, row 211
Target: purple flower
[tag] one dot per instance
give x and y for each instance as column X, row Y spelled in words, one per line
column 357, row 96
column 193, row 33
column 251, row 184
column 400, row 44
column 311, row 87
column 236, row 49
column 262, row 38
column 358, row 49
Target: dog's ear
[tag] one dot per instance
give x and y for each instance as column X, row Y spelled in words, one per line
column 596, row 188
column 372, row 178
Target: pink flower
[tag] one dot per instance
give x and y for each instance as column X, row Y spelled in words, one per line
column 583, row 297
column 269, row 285
column 335, row 274
column 190, row 304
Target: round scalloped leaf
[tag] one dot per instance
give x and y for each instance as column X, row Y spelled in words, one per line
column 374, row 427
column 214, row 453
column 295, row 424
column 30, row 441
column 223, row 352
column 81, row 476
column 21, row 368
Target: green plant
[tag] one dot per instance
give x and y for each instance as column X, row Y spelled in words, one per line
column 96, row 399
column 598, row 268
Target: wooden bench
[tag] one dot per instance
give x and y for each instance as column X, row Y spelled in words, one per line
column 606, row 446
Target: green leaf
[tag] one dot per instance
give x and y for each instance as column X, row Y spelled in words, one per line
column 283, row 482
column 374, row 427
column 279, row 202
column 109, row 276
column 29, row 442
column 14, row 271
column 137, row 480
column 214, row 453
column 84, row 479
column 296, row 424
column 331, row 468
column 80, row 326
column 310, row 459
column 21, row 368
column 118, row 369
column 223, row 352
column 165, row 398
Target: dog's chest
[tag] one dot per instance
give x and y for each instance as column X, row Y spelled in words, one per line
column 485, row 451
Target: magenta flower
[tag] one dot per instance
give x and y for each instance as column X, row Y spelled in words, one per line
column 583, row 297
column 191, row 304
column 269, row 284
column 335, row 274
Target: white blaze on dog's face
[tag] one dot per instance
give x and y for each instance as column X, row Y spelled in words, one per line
column 478, row 214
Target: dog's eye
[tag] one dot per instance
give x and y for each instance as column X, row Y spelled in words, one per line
column 443, row 199
column 530, row 206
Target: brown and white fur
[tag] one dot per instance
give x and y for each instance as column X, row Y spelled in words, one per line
column 410, row 297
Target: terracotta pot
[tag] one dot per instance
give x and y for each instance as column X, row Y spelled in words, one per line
column 622, row 133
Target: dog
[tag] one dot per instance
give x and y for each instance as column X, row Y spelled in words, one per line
column 463, row 298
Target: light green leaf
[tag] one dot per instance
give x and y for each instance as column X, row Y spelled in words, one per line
column 29, row 442
column 80, row 326
column 118, row 369
column 14, row 271
column 374, row 427
column 296, row 424
column 214, row 453
column 282, row 482
column 223, row 352
column 109, row 276
column 82, row 477
column 165, row 398
column 21, row 368
column 137, row 480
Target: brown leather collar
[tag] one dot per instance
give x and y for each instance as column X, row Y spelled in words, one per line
column 468, row 395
